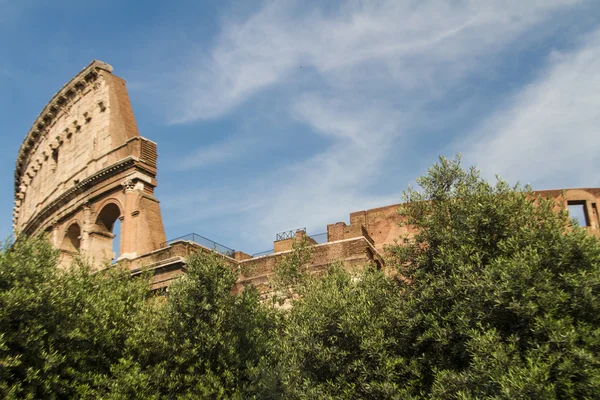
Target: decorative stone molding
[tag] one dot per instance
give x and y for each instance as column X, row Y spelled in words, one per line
column 128, row 185
column 58, row 102
column 69, row 195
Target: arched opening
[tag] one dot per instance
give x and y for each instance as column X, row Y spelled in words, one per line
column 72, row 239
column 105, row 237
column 108, row 216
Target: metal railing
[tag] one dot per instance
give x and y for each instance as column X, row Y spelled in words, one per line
column 202, row 241
column 263, row 253
column 320, row 238
column 288, row 234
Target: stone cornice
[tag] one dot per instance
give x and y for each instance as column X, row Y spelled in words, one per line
column 19, row 196
column 112, row 170
column 59, row 100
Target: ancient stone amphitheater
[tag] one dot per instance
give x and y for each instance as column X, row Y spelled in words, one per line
column 83, row 166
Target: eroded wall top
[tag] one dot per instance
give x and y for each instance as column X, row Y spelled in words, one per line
column 77, row 135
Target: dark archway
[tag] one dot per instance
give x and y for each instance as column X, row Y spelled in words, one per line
column 104, row 236
column 107, row 217
column 72, row 239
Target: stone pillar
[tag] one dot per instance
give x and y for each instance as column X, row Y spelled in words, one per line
column 121, row 237
column 55, row 238
column 128, row 228
column 86, row 228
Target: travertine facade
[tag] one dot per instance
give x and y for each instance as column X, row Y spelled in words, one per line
column 83, row 165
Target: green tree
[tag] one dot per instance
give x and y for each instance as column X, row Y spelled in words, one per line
column 60, row 330
column 503, row 293
column 204, row 341
column 498, row 298
column 339, row 340
column 292, row 273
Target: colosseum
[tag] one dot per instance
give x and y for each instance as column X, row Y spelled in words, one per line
column 83, row 167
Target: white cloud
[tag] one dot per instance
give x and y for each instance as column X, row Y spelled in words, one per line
column 548, row 134
column 215, row 153
column 311, row 193
column 357, row 75
column 411, row 44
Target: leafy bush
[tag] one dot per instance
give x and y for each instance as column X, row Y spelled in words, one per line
column 495, row 296
column 60, row 331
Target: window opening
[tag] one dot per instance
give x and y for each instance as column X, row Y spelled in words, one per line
column 108, row 216
column 578, row 212
column 116, row 246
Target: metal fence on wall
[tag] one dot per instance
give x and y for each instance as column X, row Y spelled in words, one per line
column 288, row 234
column 264, row 253
column 320, row 238
column 202, row 241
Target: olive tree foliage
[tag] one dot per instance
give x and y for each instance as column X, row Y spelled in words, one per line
column 77, row 334
column 204, row 340
column 60, row 330
column 339, row 340
column 503, row 299
column 337, row 337
column 292, row 273
column 497, row 297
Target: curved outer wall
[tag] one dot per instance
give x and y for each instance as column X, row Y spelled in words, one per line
column 83, row 152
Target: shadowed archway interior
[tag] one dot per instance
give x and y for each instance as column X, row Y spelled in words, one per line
column 72, row 239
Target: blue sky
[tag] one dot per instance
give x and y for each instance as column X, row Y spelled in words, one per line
column 282, row 114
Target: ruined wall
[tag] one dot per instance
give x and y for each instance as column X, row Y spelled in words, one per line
column 360, row 243
column 169, row 263
column 382, row 224
column 83, row 165
column 72, row 139
column 587, row 198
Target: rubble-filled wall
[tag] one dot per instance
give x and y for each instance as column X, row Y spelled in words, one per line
column 383, row 224
column 360, row 243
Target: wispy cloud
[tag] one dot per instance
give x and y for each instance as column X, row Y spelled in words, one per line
column 361, row 76
column 548, row 133
column 411, row 45
column 213, row 154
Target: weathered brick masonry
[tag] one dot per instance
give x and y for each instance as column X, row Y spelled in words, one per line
column 83, row 166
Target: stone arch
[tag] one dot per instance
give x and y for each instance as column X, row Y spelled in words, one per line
column 108, row 214
column 102, row 234
column 71, row 241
